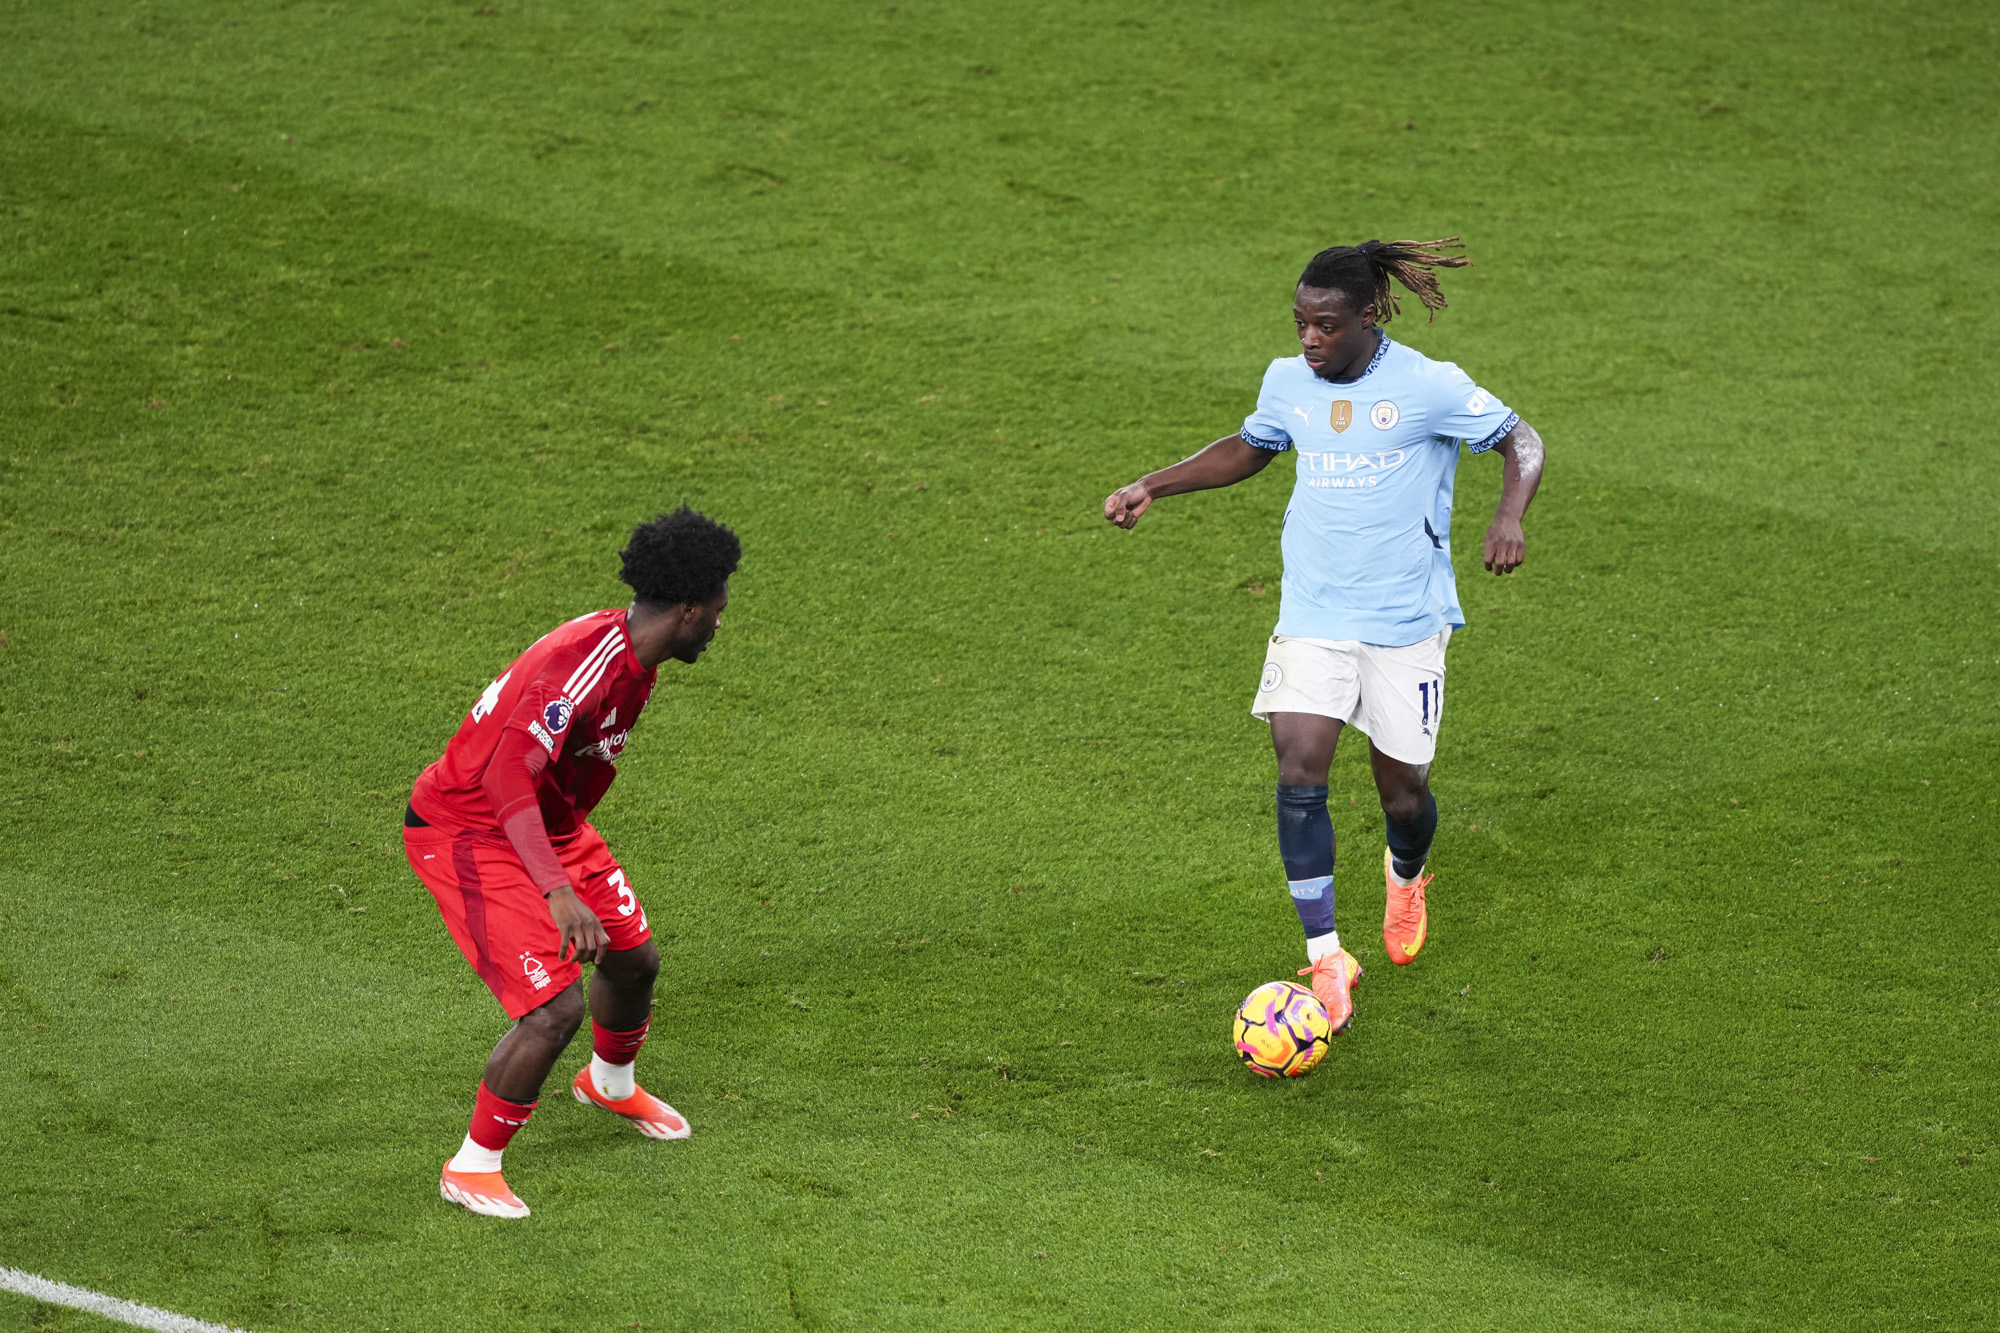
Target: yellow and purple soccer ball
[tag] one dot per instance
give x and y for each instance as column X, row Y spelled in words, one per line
column 1282, row 1030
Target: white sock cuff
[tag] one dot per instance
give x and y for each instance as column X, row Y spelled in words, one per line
column 472, row 1157
column 1400, row 882
column 1319, row 946
column 613, row 1081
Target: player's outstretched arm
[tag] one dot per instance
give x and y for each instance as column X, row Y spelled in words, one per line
column 1223, row 463
column 1506, row 544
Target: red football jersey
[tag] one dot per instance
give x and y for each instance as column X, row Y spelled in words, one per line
column 576, row 694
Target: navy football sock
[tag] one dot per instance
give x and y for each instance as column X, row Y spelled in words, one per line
column 1410, row 844
column 1305, row 842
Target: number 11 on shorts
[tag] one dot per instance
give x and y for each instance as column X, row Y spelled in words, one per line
column 1430, row 694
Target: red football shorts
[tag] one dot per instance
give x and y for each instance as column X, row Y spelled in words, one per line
column 500, row 919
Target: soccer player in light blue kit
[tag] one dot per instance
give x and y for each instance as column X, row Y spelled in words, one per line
column 1369, row 602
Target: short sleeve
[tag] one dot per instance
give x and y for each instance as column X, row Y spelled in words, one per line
column 1265, row 427
column 1461, row 410
column 543, row 713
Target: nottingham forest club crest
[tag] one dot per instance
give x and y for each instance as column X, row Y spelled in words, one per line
column 1343, row 415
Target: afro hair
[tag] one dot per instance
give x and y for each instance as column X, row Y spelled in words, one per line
column 679, row 558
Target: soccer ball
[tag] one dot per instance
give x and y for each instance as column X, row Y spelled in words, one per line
column 1282, row 1029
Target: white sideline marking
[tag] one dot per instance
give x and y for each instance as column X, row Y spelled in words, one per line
column 125, row 1312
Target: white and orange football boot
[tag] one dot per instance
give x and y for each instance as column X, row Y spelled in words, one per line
column 1404, row 919
column 648, row 1114
column 484, row 1192
column 1332, row 977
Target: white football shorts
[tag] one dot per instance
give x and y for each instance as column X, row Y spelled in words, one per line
column 1394, row 696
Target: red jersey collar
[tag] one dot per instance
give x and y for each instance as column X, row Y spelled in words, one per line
column 625, row 637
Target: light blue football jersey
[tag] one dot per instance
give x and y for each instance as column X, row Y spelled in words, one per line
column 1367, row 539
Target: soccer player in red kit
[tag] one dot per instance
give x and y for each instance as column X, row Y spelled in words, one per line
column 498, row 831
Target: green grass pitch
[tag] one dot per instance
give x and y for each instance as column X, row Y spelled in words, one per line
column 341, row 344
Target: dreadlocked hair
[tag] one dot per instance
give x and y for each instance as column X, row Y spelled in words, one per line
column 1362, row 272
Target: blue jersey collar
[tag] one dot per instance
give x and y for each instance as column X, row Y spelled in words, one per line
column 1381, row 350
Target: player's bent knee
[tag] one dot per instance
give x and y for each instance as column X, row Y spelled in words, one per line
column 562, row 1015
column 632, row 967
column 1406, row 806
column 1303, row 775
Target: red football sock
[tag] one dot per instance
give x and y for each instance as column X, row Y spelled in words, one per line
column 617, row 1048
column 495, row 1120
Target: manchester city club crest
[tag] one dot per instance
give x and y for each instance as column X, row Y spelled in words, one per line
column 1384, row 414
column 1274, row 676
column 1343, row 415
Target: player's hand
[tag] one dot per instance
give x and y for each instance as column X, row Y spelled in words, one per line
column 1506, row 546
column 1124, row 505
column 579, row 927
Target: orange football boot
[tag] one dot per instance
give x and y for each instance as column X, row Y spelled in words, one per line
column 648, row 1114
column 484, row 1192
column 1332, row 977
column 1404, row 920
